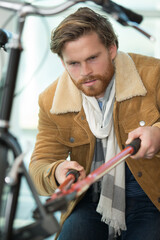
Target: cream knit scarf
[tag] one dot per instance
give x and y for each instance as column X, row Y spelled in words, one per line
column 112, row 198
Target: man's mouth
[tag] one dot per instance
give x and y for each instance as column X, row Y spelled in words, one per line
column 90, row 82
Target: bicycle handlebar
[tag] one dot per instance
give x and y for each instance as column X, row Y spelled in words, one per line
column 24, row 9
column 123, row 15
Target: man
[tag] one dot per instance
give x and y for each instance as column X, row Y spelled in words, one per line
column 103, row 100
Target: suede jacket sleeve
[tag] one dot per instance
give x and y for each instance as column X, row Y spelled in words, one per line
column 44, row 160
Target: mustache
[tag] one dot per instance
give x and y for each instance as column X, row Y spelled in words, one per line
column 90, row 78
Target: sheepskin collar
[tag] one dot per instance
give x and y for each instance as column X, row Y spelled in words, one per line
column 68, row 98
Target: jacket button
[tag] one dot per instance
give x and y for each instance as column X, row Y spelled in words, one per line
column 82, row 118
column 71, row 140
column 142, row 123
column 159, row 199
column 139, row 174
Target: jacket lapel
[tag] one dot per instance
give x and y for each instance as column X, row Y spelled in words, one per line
column 67, row 96
column 128, row 81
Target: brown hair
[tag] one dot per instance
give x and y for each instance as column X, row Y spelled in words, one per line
column 83, row 21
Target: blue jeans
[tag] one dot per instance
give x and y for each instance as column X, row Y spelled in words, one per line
column 142, row 219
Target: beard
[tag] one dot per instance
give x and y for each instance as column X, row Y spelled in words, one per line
column 99, row 87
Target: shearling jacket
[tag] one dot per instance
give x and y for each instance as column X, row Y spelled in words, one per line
column 64, row 130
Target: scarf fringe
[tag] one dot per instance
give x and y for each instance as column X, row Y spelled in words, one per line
column 113, row 223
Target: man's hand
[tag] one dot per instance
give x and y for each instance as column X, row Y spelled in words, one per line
column 64, row 167
column 150, row 141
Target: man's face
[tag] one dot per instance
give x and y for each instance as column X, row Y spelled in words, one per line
column 89, row 64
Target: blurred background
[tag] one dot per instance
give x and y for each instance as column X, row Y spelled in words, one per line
column 39, row 67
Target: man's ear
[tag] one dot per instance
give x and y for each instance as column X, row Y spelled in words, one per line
column 113, row 51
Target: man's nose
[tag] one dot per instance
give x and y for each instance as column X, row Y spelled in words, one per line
column 85, row 69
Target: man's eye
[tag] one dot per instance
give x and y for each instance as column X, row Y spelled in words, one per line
column 73, row 63
column 92, row 58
